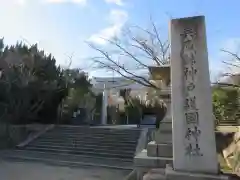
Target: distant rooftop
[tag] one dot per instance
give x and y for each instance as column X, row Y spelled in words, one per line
column 111, row 82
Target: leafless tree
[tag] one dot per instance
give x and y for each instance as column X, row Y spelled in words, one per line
column 132, row 52
column 233, row 62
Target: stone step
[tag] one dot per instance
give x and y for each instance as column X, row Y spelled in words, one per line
column 99, row 149
column 136, row 136
column 77, row 156
column 82, row 152
column 93, row 145
column 96, row 130
column 104, row 144
column 66, row 160
column 142, row 160
column 86, row 143
column 163, row 149
column 95, row 134
column 88, row 136
column 82, row 140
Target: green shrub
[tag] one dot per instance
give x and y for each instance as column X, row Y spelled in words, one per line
column 226, row 104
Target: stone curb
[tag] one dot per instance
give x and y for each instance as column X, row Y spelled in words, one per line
column 131, row 176
column 31, row 138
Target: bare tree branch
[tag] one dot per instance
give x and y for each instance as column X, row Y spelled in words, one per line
column 235, row 62
column 232, row 54
column 127, row 52
column 141, row 80
column 70, row 60
column 164, row 47
column 153, row 51
column 159, row 40
column 138, row 51
column 145, row 48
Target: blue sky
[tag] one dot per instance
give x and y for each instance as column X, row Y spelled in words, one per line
column 61, row 27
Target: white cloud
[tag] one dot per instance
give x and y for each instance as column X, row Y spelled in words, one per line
column 117, row 2
column 117, row 18
column 81, row 2
column 22, row 2
column 12, row 2
column 105, row 34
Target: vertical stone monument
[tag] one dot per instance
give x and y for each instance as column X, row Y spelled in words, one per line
column 194, row 145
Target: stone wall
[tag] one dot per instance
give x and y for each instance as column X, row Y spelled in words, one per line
column 228, row 148
column 229, row 144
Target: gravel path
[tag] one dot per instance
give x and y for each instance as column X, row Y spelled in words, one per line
column 37, row 171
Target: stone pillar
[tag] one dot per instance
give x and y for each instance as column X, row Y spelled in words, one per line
column 168, row 116
column 194, row 146
column 166, row 123
column 104, row 106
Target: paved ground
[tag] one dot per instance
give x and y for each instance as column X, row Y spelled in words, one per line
column 37, row 171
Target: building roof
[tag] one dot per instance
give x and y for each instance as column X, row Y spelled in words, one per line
column 115, row 82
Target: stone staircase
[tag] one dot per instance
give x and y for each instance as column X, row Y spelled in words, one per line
column 81, row 146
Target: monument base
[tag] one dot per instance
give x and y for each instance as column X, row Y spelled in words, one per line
column 143, row 160
column 170, row 174
column 178, row 175
column 157, row 154
column 163, row 149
